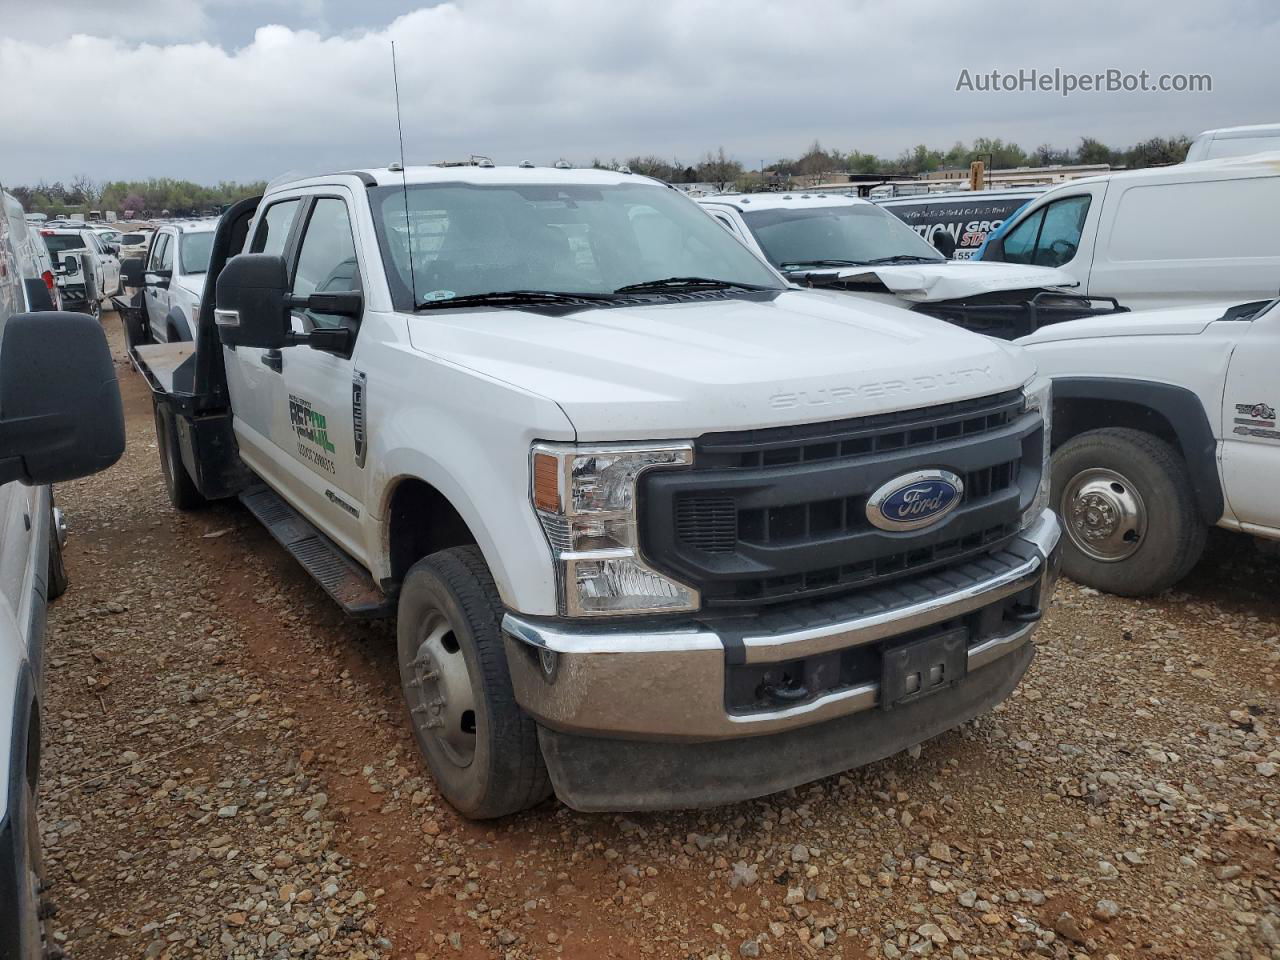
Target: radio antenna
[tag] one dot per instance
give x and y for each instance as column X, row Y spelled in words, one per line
column 404, row 181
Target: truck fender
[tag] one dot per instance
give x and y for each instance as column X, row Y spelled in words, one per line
column 1175, row 409
column 177, row 320
column 405, row 464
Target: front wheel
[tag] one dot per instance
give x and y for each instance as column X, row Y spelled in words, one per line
column 1127, row 504
column 481, row 747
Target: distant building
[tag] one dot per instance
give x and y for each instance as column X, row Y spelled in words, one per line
column 947, row 181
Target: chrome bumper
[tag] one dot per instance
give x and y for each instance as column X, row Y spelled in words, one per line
column 669, row 684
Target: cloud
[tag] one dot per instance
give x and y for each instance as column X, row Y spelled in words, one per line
column 138, row 97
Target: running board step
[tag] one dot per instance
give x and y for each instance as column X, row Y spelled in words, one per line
column 342, row 578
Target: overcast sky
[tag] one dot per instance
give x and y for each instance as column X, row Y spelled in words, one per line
column 237, row 89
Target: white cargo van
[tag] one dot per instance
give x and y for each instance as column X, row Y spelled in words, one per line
column 1160, row 237
column 1234, row 142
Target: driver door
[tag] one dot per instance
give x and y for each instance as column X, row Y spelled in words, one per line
column 316, row 436
column 156, row 287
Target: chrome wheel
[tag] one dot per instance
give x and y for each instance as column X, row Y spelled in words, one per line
column 441, row 698
column 1105, row 515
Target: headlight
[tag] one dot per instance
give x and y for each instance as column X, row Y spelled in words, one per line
column 1039, row 397
column 585, row 498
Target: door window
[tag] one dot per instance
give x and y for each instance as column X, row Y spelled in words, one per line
column 164, row 256
column 1049, row 237
column 273, row 228
column 157, row 252
column 327, row 258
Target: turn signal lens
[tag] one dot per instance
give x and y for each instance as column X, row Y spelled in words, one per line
column 546, row 482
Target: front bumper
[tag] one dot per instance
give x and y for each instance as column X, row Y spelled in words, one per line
column 673, row 683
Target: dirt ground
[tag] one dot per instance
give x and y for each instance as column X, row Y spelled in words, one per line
column 227, row 773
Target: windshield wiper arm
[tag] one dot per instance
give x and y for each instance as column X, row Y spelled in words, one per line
column 512, row 298
column 793, row 264
column 678, row 282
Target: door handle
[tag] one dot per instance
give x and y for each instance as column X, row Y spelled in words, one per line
column 273, row 359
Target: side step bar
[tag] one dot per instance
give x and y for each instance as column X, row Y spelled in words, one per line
column 342, row 578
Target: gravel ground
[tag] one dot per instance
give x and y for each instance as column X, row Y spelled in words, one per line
column 227, row 774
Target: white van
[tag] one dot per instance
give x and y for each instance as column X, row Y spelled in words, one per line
column 1160, row 237
column 1234, row 142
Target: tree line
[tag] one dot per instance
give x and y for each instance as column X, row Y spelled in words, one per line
column 818, row 162
column 157, row 197
column 181, row 198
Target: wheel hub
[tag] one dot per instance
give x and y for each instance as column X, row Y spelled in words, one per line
column 1105, row 514
column 442, row 699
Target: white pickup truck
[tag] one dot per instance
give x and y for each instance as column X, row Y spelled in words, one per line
column 659, row 530
column 857, row 247
column 1164, row 425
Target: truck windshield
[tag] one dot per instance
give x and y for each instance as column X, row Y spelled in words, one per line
column 467, row 240
column 857, row 233
column 194, row 252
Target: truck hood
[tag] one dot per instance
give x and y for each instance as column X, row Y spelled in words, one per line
column 682, row 369
column 1175, row 321
column 952, row 280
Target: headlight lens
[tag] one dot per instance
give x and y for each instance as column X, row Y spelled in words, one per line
column 1039, row 397
column 585, row 498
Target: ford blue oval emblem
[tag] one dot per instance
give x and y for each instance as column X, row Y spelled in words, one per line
column 915, row 500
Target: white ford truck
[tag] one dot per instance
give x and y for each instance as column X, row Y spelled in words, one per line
column 1164, row 425
column 658, row 529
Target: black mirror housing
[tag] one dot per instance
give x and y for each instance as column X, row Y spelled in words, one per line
column 131, row 272
column 252, row 302
column 61, row 416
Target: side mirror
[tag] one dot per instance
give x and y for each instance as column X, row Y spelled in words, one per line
column 252, row 302
column 61, row 416
column 157, row 278
column 131, row 272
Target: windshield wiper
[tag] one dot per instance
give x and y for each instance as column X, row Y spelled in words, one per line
column 907, row 258
column 706, row 283
column 512, row 298
column 793, row 264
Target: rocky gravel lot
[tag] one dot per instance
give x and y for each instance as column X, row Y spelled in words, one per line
column 227, row 774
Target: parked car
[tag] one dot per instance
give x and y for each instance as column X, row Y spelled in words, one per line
column 60, row 418
column 958, row 223
column 1234, row 142
column 854, row 246
column 1159, row 237
column 659, row 529
column 171, row 281
column 34, row 264
column 134, row 243
column 1164, row 425
column 83, row 244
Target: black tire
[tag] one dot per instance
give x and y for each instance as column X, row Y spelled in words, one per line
column 57, row 579
column 1162, row 550
column 182, row 490
column 504, row 773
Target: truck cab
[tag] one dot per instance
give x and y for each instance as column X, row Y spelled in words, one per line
column 171, row 278
column 658, row 529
